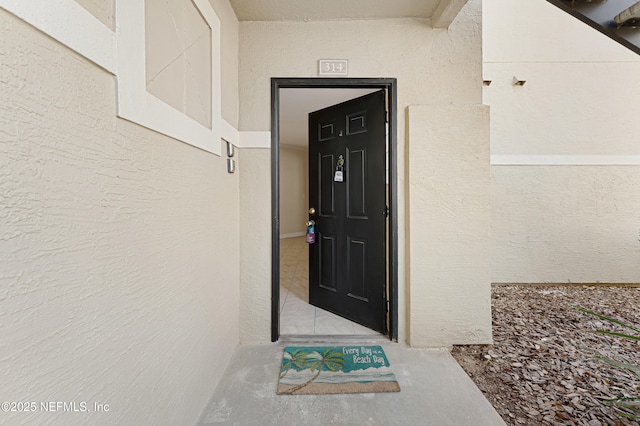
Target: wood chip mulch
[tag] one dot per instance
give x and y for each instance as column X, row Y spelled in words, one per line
column 542, row 367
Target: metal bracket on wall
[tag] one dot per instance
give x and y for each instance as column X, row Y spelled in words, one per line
column 231, row 164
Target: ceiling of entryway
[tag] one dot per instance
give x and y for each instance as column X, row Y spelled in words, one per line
column 299, row 10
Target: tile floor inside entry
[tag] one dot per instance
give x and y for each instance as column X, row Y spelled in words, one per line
column 297, row 316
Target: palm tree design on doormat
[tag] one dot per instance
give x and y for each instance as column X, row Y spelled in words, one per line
column 297, row 359
column 330, row 359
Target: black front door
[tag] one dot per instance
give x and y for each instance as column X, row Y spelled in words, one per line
column 347, row 190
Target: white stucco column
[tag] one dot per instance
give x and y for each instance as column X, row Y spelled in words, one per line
column 449, row 262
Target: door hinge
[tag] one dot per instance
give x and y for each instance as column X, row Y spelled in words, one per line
column 386, row 116
column 386, row 211
column 388, row 306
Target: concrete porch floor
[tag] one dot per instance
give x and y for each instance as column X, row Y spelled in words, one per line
column 434, row 391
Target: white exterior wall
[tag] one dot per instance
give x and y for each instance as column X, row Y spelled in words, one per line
column 449, row 240
column 432, row 67
column 564, row 208
column 104, row 10
column 580, row 223
column 119, row 247
column 294, row 190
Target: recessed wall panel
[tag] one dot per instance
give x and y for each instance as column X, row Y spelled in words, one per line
column 178, row 62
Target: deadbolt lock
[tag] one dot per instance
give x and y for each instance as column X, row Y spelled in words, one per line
column 312, row 211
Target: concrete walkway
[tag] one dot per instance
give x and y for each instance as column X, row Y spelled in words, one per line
column 434, row 391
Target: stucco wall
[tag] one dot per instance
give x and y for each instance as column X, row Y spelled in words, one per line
column 103, row 10
column 449, row 217
column 255, row 245
column 580, row 223
column 294, row 189
column 575, row 221
column 119, row 252
column 432, row 67
column 178, row 57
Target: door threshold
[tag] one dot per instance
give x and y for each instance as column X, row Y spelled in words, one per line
column 333, row 338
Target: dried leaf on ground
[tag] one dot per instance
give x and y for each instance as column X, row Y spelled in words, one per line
column 542, row 367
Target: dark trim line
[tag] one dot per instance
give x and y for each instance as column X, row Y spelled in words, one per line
column 393, row 209
column 388, row 84
column 275, row 213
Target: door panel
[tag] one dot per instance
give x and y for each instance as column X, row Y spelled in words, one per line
column 357, row 123
column 326, row 131
column 328, row 266
column 356, row 205
column 347, row 264
column 356, row 263
column 327, row 200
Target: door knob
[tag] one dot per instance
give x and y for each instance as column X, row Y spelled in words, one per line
column 312, row 211
column 311, row 223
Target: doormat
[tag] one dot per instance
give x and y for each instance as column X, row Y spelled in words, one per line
column 335, row 369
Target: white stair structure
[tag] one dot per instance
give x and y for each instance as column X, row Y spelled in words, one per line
column 629, row 17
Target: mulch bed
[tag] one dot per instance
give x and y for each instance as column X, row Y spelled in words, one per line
column 542, row 367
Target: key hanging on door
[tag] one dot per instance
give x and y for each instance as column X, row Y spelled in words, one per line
column 339, row 176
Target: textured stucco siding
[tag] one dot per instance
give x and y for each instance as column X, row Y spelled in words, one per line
column 433, row 66
column 255, row 245
column 567, row 108
column 449, row 218
column 565, row 224
column 119, row 253
column 576, row 222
